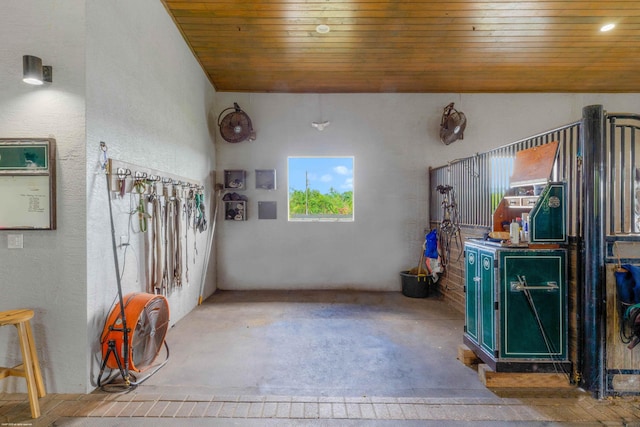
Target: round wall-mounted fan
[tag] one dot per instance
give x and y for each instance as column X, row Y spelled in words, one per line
column 452, row 125
column 236, row 126
column 147, row 319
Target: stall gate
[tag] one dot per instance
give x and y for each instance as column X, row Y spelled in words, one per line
column 622, row 240
column 479, row 182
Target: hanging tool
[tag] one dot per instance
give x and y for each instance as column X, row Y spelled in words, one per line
column 141, row 188
column 177, row 269
column 421, row 260
column 205, row 266
column 157, row 244
column 167, row 219
column 449, row 227
column 122, row 175
column 123, row 367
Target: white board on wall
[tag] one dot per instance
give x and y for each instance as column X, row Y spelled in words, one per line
column 25, row 201
column 27, row 184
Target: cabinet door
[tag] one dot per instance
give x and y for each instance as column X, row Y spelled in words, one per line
column 472, row 282
column 487, row 302
column 533, row 298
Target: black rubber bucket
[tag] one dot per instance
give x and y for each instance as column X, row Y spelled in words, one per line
column 414, row 286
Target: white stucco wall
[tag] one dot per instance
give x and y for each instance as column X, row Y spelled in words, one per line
column 149, row 101
column 395, row 139
column 121, row 74
column 49, row 274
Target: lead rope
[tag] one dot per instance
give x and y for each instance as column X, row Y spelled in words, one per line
column 197, row 215
column 177, row 238
column 185, row 212
column 158, row 246
column 150, row 247
column 168, row 267
column 188, row 207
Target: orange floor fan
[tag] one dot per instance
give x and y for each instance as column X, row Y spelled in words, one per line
column 133, row 337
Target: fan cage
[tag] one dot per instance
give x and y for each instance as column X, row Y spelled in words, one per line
column 452, row 125
column 236, row 126
column 147, row 317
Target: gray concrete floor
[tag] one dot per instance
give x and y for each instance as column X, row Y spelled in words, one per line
column 323, row 358
column 318, row 344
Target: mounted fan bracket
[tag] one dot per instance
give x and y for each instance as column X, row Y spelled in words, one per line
column 236, row 126
column 452, row 125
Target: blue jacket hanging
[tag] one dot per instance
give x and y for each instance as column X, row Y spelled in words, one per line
column 628, row 283
column 431, row 250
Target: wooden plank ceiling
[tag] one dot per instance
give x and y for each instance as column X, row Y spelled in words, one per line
column 413, row 46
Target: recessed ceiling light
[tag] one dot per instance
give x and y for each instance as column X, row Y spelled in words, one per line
column 607, row 27
column 323, row 29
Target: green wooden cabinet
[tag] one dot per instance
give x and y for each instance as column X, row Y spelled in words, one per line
column 472, row 293
column 480, row 290
column 548, row 216
column 516, row 307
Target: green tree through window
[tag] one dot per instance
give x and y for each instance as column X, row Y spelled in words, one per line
column 320, row 188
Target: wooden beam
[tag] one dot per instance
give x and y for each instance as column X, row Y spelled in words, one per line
column 492, row 379
column 467, row 356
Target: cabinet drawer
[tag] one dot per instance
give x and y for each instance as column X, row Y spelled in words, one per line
column 513, row 201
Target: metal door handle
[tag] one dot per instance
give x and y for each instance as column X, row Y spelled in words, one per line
column 550, row 286
column 521, row 285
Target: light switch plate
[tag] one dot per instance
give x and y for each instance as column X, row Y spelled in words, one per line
column 15, row 241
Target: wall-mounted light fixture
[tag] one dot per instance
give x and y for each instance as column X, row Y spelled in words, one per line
column 33, row 72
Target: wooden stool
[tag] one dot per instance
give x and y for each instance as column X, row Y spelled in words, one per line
column 30, row 368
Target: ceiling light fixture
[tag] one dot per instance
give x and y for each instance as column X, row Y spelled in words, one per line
column 607, row 27
column 322, row 29
column 33, row 72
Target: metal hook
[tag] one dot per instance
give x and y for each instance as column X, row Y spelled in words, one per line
column 123, row 173
column 104, row 159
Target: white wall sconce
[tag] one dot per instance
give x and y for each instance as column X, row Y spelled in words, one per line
column 34, row 73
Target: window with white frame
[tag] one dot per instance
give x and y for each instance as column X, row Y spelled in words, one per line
column 320, row 188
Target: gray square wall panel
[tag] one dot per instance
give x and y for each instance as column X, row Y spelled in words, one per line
column 267, row 210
